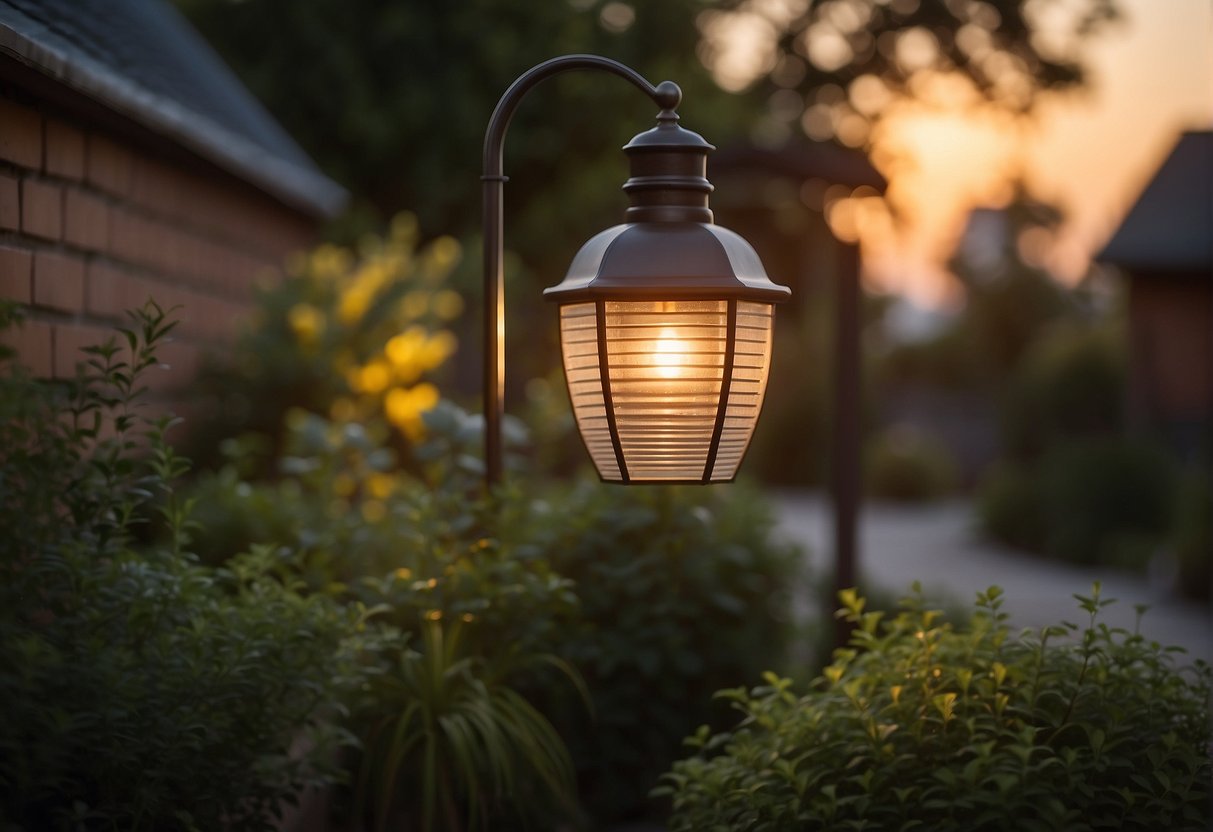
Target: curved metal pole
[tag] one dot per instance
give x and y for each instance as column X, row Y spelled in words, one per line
column 666, row 95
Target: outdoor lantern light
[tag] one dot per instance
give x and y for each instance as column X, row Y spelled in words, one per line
column 665, row 321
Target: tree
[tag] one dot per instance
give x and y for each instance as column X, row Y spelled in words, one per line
column 837, row 65
column 392, row 100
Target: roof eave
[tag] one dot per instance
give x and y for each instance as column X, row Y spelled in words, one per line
column 297, row 187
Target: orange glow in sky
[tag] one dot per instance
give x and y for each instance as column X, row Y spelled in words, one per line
column 1090, row 152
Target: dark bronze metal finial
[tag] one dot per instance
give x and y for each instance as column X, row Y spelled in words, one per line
column 668, row 96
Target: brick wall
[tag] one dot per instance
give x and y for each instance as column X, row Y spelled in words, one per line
column 92, row 224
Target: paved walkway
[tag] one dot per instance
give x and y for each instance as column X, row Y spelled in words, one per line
column 938, row 546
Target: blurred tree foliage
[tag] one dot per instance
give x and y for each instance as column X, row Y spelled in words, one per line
column 1010, row 298
column 836, row 65
column 392, row 100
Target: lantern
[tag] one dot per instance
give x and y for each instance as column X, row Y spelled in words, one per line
column 666, row 324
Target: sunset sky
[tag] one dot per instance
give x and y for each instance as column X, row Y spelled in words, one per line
column 1090, row 152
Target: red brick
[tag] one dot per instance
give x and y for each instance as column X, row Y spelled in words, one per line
column 58, row 281
column 160, row 188
column 32, row 341
column 15, row 266
column 64, row 150
column 85, row 220
column 126, row 235
column 20, row 135
column 10, row 203
column 108, row 165
column 41, row 209
column 110, row 291
column 70, row 339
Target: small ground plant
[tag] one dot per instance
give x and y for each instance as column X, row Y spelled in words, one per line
column 921, row 726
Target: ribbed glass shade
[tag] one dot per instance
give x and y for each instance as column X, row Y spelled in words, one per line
column 666, row 391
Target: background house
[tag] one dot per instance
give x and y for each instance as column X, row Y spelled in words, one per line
column 133, row 164
column 1165, row 244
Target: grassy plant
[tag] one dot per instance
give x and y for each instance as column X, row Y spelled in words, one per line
column 458, row 742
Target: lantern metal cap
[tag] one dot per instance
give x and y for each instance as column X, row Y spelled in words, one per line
column 668, row 248
column 665, row 260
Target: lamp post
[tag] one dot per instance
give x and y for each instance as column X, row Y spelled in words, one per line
column 665, row 320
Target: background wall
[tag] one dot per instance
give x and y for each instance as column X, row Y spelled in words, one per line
column 94, row 222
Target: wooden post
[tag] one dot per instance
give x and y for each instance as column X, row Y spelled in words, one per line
column 846, row 461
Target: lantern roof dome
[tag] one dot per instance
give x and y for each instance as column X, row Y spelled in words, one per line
column 667, row 261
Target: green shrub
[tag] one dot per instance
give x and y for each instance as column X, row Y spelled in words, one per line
column 656, row 596
column 1098, row 500
column 918, row 725
column 1107, row 500
column 1192, row 537
column 448, row 740
column 1069, row 384
column 906, row 465
column 681, row 590
column 142, row 690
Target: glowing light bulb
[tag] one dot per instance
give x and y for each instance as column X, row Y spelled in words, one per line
column 668, row 354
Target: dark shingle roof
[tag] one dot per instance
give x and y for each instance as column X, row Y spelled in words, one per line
column 1170, row 227
column 802, row 160
column 141, row 59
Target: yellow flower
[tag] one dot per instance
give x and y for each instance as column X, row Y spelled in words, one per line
column 403, row 351
column 353, row 304
column 438, row 348
column 380, row 486
column 403, row 573
column 329, row 261
column 405, row 407
column 373, row 378
column 306, row 322
column 434, row 615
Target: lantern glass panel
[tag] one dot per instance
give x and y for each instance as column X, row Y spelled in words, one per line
column 669, row 403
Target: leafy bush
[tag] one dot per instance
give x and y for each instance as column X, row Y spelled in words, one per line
column 1069, row 384
column 681, row 590
column 142, row 690
column 1100, row 500
column 656, row 596
column 1192, row 537
column 908, row 466
column 918, row 725
column 1009, row 506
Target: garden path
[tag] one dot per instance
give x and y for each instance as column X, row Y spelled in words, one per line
column 938, row 545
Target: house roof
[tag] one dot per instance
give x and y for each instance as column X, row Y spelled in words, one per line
column 1170, row 227
column 802, row 160
column 143, row 61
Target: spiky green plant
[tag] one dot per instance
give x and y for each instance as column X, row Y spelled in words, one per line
column 459, row 743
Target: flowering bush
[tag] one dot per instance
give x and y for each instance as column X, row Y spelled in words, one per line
column 350, row 335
